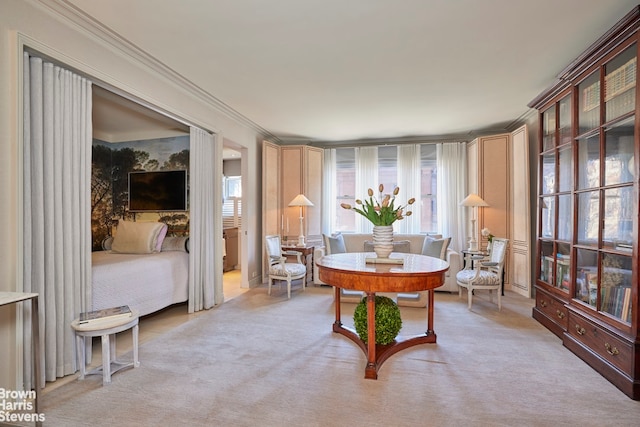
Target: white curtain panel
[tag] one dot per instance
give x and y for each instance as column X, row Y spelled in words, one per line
column 452, row 189
column 56, row 210
column 409, row 183
column 205, row 289
column 366, row 177
column 329, row 200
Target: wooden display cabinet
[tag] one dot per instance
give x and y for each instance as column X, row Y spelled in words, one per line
column 586, row 285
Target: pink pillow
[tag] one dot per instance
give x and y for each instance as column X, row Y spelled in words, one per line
column 161, row 236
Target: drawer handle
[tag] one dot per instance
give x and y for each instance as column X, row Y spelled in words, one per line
column 580, row 330
column 611, row 350
column 543, row 303
column 560, row 314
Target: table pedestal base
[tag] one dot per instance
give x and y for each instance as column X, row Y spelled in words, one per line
column 378, row 353
column 382, row 352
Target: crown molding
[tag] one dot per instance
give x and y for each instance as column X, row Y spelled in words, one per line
column 412, row 139
column 97, row 30
column 526, row 117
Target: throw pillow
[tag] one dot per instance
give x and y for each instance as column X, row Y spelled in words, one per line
column 401, row 246
column 334, row 244
column 136, row 237
column 161, row 236
column 436, row 248
column 106, row 243
column 175, row 243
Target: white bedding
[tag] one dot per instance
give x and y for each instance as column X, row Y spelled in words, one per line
column 147, row 283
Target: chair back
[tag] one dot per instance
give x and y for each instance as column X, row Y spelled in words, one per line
column 272, row 244
column 498, row 252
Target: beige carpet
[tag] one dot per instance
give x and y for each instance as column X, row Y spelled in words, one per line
column 268, row 361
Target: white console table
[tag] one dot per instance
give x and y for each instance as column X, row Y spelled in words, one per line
column 7, row 298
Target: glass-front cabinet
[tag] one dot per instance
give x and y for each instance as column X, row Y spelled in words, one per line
column 587, row 252
column 554, row 203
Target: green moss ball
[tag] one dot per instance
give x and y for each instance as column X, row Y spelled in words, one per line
column 388, row 321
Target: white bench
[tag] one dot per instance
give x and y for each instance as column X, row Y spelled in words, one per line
column 107, row 330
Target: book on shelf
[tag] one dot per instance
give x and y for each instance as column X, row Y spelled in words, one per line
column 625, row 247
column 616, row 300
column 562, row 272
column 626, row 306
column 105, row 314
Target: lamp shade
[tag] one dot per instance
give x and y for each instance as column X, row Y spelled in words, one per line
column 473, row 200
column 300, row 200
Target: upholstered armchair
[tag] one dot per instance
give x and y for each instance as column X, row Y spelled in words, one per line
column 279, row 268
column 484, row 273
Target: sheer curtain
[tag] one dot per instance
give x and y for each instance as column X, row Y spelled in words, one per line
column 409, row 183
column 452, row 178
column 205, row 266
column 56, row 210
column 329, row 196
column 366, row 177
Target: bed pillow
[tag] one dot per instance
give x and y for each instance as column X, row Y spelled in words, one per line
column 175, row 243
column 334, row 244
column 401, row 246
column 136, row 237
column 106, row 243
column 436, row 248
column 161, row 236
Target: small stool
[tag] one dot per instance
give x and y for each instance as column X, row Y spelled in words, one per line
column 107, row 329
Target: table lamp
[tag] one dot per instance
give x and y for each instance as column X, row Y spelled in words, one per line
column 473, row 201
column 301, row 200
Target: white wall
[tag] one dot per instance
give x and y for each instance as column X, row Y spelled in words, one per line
column 232, row 168
column 39, row 27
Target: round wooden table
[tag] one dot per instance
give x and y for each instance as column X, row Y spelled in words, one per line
column 351, row 271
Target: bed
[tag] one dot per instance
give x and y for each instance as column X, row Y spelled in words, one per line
column 147, row 281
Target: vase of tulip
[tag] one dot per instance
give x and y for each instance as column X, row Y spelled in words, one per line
column 382, row 212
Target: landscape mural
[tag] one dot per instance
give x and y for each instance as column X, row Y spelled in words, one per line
column 111, row 164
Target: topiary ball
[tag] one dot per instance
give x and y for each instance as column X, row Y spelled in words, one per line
column 388, row 321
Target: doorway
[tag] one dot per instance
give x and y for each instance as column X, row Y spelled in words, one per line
column 232, row 159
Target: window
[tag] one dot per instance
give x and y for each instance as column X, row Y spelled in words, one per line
column 232, row 186
column 388, row 170
column 345, row 188
column 428, row 187
column 232, row 205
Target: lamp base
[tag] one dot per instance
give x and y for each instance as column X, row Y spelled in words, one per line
column 473, row 246
column 301, row 242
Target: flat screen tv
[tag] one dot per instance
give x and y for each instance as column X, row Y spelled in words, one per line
column 158, row 191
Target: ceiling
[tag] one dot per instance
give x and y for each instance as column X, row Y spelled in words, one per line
column 336, row 70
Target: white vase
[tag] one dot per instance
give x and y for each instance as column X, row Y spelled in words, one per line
column 382, row 240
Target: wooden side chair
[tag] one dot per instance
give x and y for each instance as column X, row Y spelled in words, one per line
column 279, row 268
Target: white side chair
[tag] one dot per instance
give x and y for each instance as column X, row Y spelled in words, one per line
column 485, row 274
column 279, row 268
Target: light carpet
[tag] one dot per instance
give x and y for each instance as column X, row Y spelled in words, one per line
column 262, row 360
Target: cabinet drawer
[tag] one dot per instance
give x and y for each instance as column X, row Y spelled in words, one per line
column 608, row 346
column 552, row 308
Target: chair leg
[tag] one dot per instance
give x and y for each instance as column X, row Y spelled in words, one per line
column 269, row 291
column 469, row 296
column 304, row 283
column 289, row 288
column 499, row 303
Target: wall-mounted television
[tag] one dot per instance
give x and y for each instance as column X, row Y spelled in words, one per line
column 158, row 191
